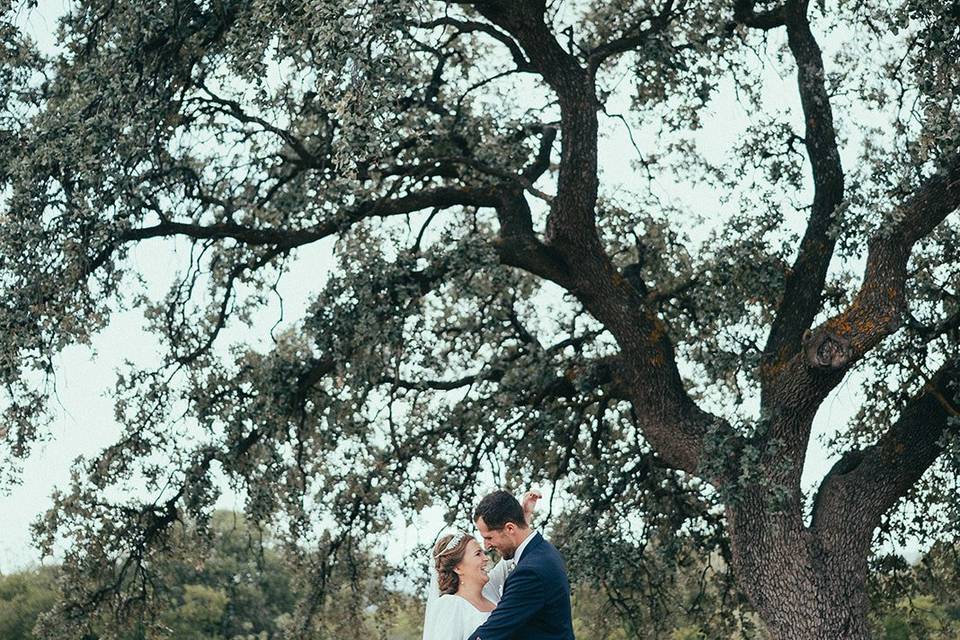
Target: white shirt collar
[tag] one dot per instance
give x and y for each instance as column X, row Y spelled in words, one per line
column 523, row 545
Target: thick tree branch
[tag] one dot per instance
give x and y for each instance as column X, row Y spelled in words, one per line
column 804, row 283
column 573, row 256
column 441, row 197
column 866, row 484
column 572, row 217
column 878, row 307
column 518, row 245
column 799, row 386
column 799, row 366
column 314, row 372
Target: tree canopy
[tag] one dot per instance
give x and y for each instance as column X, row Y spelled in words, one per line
column 494, row 305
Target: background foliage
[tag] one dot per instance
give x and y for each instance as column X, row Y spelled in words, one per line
column 243, row 590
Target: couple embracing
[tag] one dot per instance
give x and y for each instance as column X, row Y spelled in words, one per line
column 526, row 596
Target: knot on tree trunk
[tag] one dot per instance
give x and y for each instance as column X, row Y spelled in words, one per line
column 825, row 350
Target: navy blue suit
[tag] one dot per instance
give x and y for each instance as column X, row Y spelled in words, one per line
column 536, row 599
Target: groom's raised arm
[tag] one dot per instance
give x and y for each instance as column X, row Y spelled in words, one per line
column 523, row 597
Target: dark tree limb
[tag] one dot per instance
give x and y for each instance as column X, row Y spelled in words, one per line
column 634, row 39
column 572, row 217
column 603, row 372
column 572, row 255
column 437, row 198
column 866, row 484
column 800, row 366
column 799, row 386
column 518, row 245
column 441, row 197
column 314, row 372
column 877, row 309
column 541, row 162
column 475, row 26
column 744, row 12
column 803, row 290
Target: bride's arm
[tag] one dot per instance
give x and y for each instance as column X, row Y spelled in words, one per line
column 529, row 503
column 498, row 577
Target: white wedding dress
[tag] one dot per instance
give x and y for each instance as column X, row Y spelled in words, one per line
column 450, row 617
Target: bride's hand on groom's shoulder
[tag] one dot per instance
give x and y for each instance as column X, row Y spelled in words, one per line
column 529, row 503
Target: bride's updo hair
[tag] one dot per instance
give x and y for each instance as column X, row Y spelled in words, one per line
column 446, row 560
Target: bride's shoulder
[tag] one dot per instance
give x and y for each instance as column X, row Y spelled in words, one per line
column 448, row 608
column 450, row 600
column 450, row 603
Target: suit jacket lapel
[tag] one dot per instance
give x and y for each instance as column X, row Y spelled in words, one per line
column 535, row 541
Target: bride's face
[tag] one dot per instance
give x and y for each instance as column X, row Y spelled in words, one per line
column 473, row 567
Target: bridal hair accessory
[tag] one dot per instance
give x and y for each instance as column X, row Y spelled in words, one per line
column 433, row 592
column 453, row 542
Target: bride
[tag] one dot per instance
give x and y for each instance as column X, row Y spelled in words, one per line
column 463, row 584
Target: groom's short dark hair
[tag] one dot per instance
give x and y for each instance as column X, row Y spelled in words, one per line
column 499, row 508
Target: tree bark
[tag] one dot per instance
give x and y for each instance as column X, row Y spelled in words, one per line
column 801, row 587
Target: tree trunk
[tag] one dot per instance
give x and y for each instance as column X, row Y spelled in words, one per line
column 802, row 587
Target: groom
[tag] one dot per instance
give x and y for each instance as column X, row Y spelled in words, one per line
column 535, row 604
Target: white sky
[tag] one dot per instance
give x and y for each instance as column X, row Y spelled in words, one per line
column 84, row 422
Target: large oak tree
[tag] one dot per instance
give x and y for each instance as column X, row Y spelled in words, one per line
column 494, row 306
